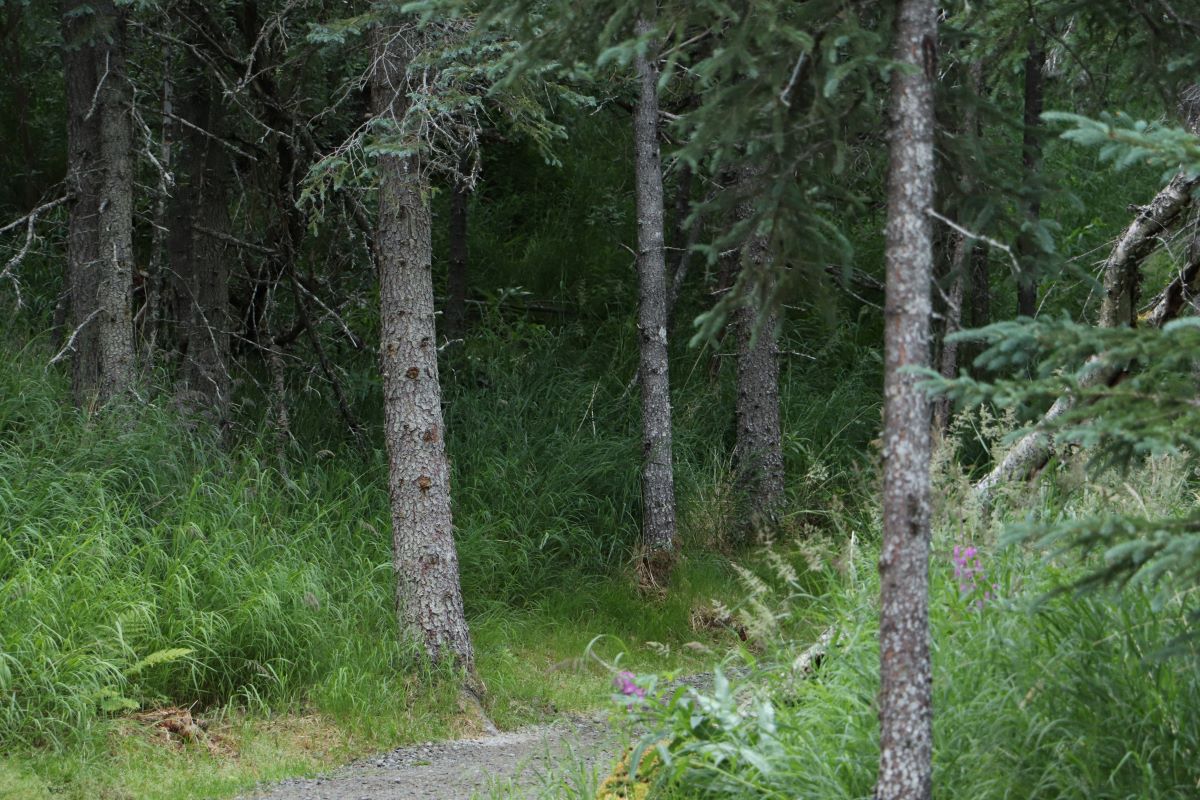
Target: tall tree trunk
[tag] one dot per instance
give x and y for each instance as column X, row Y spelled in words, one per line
column 959, row 266
column 658, row 482
column 759, row 448
column 156, row 276
column 948, row 363
column 100, row 236
column 905, row 698
column 428, row 594
column 197, row 254
column 456, row 277
column 1031, row 159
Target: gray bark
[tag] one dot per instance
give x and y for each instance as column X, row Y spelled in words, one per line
column 905, row 701
column 658, row 482
column 759, row 449
column 100, row 235
column 1122, row 269
column 428, row 595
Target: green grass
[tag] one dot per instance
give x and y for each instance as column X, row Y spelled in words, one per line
column 123, row 538
column 1038, row 694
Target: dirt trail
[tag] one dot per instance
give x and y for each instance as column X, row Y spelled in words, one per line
column 525, row 763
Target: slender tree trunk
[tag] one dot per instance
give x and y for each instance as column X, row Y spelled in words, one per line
column 1031, row 159
column 959, row 267
column 905, row 698
column 156, row 277
column 658, row 482
column 948, row 366
column 100, row 236
column 428, row 593
column 456, row 277
column 759, row 448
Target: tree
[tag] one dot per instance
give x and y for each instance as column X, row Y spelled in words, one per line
column 428, row 595
column 658, row 481
column 100, row 177
column 1031, row 161
column 759, row 448
column 905, row 699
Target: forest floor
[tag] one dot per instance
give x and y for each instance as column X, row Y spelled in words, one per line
column 574, row 752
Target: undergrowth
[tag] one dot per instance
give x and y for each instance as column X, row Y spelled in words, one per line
column 1040, row 691
column 144, row 567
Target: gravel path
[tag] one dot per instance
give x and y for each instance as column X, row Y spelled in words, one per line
column 565, row 759
column 536, row 762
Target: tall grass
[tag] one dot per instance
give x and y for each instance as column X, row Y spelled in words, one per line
column 122, row 539
column 1038, row 692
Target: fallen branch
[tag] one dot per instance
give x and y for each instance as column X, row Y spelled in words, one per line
column 1033, row 450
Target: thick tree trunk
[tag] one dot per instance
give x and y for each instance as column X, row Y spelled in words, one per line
column 759, row 448
column 456, row 277
column 197, row 257
column 1031, row 159
column 658, row 482
column 100, row 236
column 905, row 698
column 428, row 593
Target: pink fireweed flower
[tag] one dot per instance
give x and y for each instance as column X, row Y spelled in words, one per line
column 972, row 577
column 626, row 684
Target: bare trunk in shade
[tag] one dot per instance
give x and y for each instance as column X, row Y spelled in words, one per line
column 100, row 176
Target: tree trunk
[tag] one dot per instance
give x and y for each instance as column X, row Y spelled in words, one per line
column 428, row 595
column 1031, row 159
column 759, row 449
column 658, row 482
column 948, row 367
column 905, row 701
column 100, row 235
column 959, row 266
column 155, row 279
column 197, row 254
column 456, row 277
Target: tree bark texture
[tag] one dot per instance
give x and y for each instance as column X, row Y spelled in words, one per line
column 1122, row 269
column 1031, row 160
column 658, row 482
column 202, row 274
column 428, row 595
column 100, row 230
column 759, row 448
column 905, row 699
column 456, row 277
